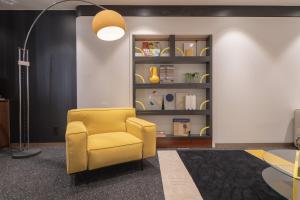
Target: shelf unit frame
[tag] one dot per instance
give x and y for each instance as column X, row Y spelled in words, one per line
column 177, row 141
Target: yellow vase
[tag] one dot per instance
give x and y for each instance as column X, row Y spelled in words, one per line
column 154, row 75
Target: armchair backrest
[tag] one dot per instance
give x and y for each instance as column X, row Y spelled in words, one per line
column 102, row 120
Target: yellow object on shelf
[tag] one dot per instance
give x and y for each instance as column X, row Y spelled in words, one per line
column 168, row 48
column 203, row 104
column 202, row 130
column 154, row 75
column 180, row 51
column 140, row 50
column 141, row 77
column 164, row 50
column 203, row 50
column 189, row 48
column 141, row 104
column 203, row 77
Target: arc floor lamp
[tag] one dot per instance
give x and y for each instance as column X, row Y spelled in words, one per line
column 107, row 24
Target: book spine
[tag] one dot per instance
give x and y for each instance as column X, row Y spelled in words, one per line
column 187, row 102
column 182, row 120
column 194, row 102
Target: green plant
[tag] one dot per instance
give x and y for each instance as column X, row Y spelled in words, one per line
column 191, row 77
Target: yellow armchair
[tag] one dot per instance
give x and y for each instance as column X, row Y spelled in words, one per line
column 146, row 132
column 97, row 138
column 76, row 148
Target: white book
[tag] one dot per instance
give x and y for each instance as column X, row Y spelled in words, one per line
column 188, row 102
column 194, row 100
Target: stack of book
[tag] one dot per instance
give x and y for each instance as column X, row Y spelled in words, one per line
column 167, row 73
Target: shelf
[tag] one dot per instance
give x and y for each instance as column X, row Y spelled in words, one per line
column 173, row 86
column 172, row 112
column 183, row 62
column 191, row 38
column 152, row 38
column 192, row 136
column 172, row 60
column 184, row 142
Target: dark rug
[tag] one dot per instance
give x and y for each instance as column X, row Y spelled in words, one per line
column 228, row 175
column 44, row 177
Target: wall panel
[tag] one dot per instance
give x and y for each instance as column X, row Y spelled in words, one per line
column 52, row 73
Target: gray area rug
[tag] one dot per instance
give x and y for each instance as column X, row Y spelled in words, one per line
column 228, row 175
column 44, row 177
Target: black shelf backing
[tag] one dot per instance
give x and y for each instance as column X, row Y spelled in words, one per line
column 173, row 85
column 172, row 60
column 172, row 112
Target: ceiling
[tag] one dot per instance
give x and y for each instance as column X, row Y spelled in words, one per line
column 41, row 4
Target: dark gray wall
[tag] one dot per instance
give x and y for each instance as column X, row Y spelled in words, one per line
column 52, row 73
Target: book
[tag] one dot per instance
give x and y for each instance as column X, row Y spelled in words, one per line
column 190, row 102
column 155, row 101
column 181, row 126
column 169, row 101
column 151, row 48
column 180, row 100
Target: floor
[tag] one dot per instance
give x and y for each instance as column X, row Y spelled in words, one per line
column 163, row 177
column 44, row 177
column 168, row 180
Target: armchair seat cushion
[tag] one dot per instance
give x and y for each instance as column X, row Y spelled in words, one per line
column 105, row 149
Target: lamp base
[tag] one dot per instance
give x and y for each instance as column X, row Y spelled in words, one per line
column 26, row 153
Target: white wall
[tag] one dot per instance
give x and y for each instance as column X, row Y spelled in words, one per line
column 256, row 68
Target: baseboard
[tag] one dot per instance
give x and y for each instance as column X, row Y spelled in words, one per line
column 254, row 145
column 48, row 144
column 217, row 145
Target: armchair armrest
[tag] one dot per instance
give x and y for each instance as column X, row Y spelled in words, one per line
column 76, row 147
column 144, row 130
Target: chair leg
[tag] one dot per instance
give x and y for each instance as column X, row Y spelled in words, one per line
column 76, row 178
column 87, row 178
column 73, row 179
column 142, row 165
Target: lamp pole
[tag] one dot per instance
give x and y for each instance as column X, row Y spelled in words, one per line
column 23, row 62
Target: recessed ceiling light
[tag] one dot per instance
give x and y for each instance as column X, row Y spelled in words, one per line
column 9, row 2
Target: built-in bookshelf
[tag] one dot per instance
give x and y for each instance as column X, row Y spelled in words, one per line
column 170, row 50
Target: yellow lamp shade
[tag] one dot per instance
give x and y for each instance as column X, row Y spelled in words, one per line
column 109, row 25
